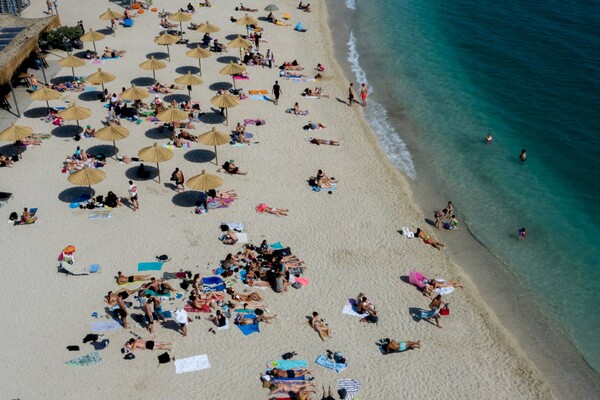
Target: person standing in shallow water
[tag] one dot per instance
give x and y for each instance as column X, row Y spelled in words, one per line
column 523, row 155
column 363, row 94
column 350, row 95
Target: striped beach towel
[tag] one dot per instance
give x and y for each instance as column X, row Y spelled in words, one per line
column 352, row 386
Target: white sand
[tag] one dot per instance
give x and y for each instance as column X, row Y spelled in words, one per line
column 349, row 241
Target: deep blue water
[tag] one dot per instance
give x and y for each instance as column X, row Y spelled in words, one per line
column 529, row 74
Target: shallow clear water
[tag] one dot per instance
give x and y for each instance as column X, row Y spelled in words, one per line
column 447, row 74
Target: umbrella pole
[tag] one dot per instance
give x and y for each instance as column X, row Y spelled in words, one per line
column 200, row 65
column 116, row 151
column 102, row 87
column 95, row 51
column 233, row 79
column 73, row 70
column 154, row 76
column 216, row 156
column 181, row 27
column 169, row 52
column 226, row 117
column 240, row 54
column 158, row 168
column 12, row 90
column 190, row 94
column 47, row 104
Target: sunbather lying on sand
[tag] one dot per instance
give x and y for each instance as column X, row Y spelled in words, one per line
column 229, row 237
column 323, row 141
column 112, row 53
column 222, row 194
column 28, row 141
column 323, row 181
column 320, row 326
column 317, row 92
column 299, row 390
column 430, row 287
column 144, row 344
column 123, row 279
column 252, row 296
column 187, row 136
column 289, row 373
column 314, row 126
column 427, row 238
column 291, row 74
column 6, row 161
column 262, row 208
column 231, row 168
column 391, row 346
column 248, row 319
column 160, row 286
column 242, row 8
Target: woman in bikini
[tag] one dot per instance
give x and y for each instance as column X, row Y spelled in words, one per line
column 320, row 326
column 323, row 181
column 252, row 296
column 427, row 238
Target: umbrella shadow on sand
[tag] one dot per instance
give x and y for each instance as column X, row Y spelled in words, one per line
column 199, row 156
column 107, row 149
column 214, row 117
column 227, row 59
column 57, row 80
column 132, row 173
column 232, row 36
column 37, row 112
column 177, row 97
column 158, row 134
column 105, row 31
column 187, row 68
column 90, row 96
column 66, row 131
column 10, row 150
column 185, row 199
column 159, row 55
column 142, row 81
column 220, row 85
column 75, row 193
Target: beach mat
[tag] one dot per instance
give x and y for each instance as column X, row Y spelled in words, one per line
column 287, row 364
column 105, row 326
column 350, row 309
column 249, row 329
column 327, row 363
column 150, row 266
column 85, row 361
column 191, row 364
column 105, row 214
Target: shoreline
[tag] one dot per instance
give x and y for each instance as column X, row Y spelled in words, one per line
column 561, row 364
column 347, row 239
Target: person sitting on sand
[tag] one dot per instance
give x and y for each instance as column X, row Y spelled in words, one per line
column 144, row 344
column 427, row 238
column 289, row 373
column 363, row 306
column 6, row 161
column 323, row 141
column 89, row 132
column 240, row 137
column 391, row 346
column 123, row 279
column 218, row 47
column 317, row 323
column 263, row 208
column 231, row 168
column 320, row 67
column 112, row 200
column 27, row 217
column 237, row 297
column 297, row 111
column 166, row 24
column 219, row 319
column 323, row 181
column 229, row 237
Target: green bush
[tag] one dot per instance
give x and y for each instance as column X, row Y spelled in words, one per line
column 58, row 35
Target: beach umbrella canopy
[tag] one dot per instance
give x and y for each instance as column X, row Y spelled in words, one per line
column 271, row 8
column 135, row 93
column 152, row 65
column 15, row 132
column 72, row 62
column 75, row 113
column 157, row 154
column 232, row 69
column 46, row 94
column 87, row 177
column 225, row 101
column 247, row 20
column 204, row 182
column 172, row 115
column 92, row 36
column 199, row 53
column 239, row 43
column 180, row 17
column 110, row 14
column 207, row 27
column 165, row 40
column 214, row 138
column 189, row 80
column 100, row 78
column 112, row 133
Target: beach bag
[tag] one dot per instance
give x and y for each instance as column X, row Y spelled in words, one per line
column 296, row 285
column 445, row 311
column 129, row 356
column 164, row 358
column 73, row 348
column 288, row 356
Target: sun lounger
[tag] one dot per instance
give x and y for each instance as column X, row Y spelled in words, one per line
column 79, row 270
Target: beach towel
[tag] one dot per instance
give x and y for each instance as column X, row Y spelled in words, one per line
column 224, row 327
column 300, row 112
column 260, row 97
column 234, row 226
column 303, row 281
column 185, row 145
column 85, row 361
column 249, row 329
column 153, row 293
column 190, row 308
column 352, row 386
column 150, row 266
column 430, row 313
column 90, row 89
column 327, row 363
column 95, row 61
column 237, row 144
column 103, row 214
column 190, row 364
column 40, row 136
column 213, row 204
column 105, row 326
column 81, row 199
column 408, row 233
column 256, row 122
column 242, row 238
column 276, row 246
column 416, row 278
column 350, row 309
column 287, row 364
column 444, row 290
column 259, row 91
column 318, row 189
column 241, row 77
column 244, row 311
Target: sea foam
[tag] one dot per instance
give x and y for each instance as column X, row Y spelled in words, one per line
column 377, row 117
column 351, row 4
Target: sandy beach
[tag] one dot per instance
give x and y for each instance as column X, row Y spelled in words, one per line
column 349, row 240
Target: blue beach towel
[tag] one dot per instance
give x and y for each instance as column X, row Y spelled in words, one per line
column 276, row 246
column 287, row 364
column 153, row 293
column 249, row 329
column 261, row 97
column 150, row 266
column 429, row 314
column 85, row 361
column 105, row 326
column 327, row 363
column 212, row 280
column 79, row 200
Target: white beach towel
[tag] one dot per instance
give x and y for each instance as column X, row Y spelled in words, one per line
column 407, row 232
column 225, row 327
column 349, row 310
column 105, row 326
column 352, row 387
column 242, row 238
column 190, row 364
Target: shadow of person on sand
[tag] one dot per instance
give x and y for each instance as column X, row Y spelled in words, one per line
column 415, row 313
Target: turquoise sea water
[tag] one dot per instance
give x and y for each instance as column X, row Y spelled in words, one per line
column 529, row 74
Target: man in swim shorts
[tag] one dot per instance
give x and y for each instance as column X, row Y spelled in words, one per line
column 350, row 94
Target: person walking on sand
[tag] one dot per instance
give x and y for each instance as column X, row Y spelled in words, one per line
column 50, row 9
column 523, row 155
column 350, row 94
column 133, row 195
column 179, row 179
column 363, row 94
column 277, row 92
